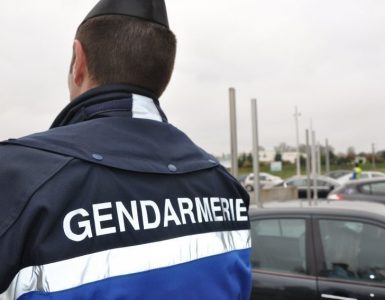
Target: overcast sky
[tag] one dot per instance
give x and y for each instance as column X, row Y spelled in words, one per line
column 325, row 56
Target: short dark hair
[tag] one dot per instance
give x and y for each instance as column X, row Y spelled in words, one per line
column 122, row 49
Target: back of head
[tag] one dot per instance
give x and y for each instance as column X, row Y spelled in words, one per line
column 120, row 48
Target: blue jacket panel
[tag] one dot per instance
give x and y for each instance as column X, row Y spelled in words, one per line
column 113, row 202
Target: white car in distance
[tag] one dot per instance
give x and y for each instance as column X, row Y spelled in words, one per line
column 266, row 180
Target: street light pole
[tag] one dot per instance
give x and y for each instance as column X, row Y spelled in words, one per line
column 373, row 157
column 308, row 168
column 254, row 124
column 233, row 133
column 327, row 156
column 296, row 116
column 313, row 163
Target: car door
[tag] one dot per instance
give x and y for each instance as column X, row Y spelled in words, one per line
column 323, row 188
column 282, row 262
column 263, row 180
column 350, row 258
column 374, row 191
column 301, row 184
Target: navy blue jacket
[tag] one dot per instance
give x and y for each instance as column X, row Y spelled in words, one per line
column 113, row 202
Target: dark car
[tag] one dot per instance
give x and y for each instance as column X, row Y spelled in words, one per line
column 365, row 189
column 321, row 252
column 324, row 185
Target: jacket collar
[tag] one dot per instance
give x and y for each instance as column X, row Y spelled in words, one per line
column 129, row 143
column 111, row 100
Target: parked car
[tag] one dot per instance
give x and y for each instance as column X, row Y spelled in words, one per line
column 364, row 175
column 337, row 173
column 321, row 252
column 265, row 179
column 324, row 185
column 364, row 189
column 241, row 179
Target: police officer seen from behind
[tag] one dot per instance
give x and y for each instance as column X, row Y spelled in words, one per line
column 113, row 202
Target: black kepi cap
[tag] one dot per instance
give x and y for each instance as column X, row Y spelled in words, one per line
column 150, row 10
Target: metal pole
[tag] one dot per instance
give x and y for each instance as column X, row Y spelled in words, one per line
column 233, row 133
column 314, row 166
column 254, row 124
column 308, row 191
column 319, row 167
column 327, row 156
column 373, row 157
column 296, row 115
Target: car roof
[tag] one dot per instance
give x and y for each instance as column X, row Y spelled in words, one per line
column 366, row 172
column 366, row 180
column 325, row 178
column 372, row 210
column 261, row 173
column 339, row 170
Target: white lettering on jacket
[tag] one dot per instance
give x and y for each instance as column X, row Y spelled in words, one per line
column 136, row 215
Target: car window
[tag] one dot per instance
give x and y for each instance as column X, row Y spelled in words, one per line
column 378, row 188
column 364, row 175
column 377, row 175
column 297, row 182
column 322, row 183
column 366, row 188
column 262, row 177
column 279, row 245
column 353, row 250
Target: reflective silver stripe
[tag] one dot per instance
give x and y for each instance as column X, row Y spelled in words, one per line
column 144, row 108
column 97, row 266
column 327, row 296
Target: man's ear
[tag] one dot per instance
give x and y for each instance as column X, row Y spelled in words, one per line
column 79, row 68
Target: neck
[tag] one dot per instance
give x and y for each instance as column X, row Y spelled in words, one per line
column 76, row 92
